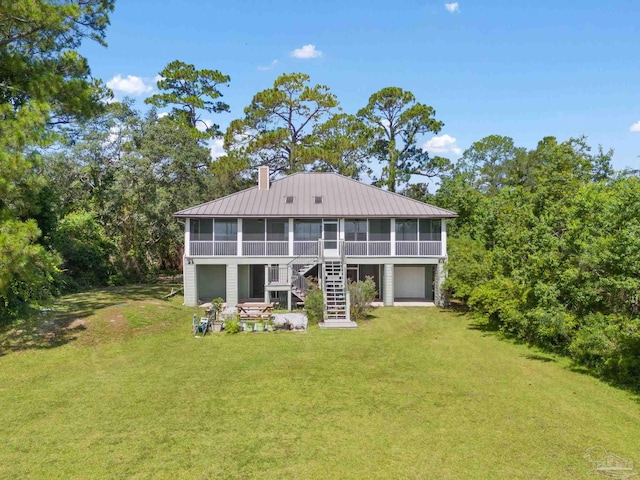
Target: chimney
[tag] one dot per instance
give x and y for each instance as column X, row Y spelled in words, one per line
column 263, row 177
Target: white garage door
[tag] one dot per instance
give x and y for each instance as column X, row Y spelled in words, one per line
column 409, row 282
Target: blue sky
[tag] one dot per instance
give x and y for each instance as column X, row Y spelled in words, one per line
column 521, row 69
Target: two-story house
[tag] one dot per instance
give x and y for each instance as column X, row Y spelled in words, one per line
column 262, row 243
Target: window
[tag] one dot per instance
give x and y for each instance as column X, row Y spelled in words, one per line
column 226, row 230
column 201, row 229
column 277, row 229
column 379, row 230
column 406, row 230
column 355, row 230
column 253, row 230
column 430, row 230
column 307, row 230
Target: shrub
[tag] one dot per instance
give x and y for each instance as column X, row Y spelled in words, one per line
column 362, row 294
column 232, row 326
column 314, row 302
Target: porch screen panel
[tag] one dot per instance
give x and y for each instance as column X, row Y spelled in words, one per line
column 226, row 230
column 277, row 229
column 380, row 230
column 253, row 230
column 355, row 230
column 201, row 229
column 307, row 230
column 406, row 230
column 430, row 230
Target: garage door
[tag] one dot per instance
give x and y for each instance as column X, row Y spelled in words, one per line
column 409, row 282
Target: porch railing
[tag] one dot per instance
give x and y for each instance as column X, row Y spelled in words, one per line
column 309, row 248
column 415, row 249
column 278, row 275
column 207, row 248
column 265, row 249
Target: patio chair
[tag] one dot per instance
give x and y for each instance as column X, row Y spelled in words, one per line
column 203, row 326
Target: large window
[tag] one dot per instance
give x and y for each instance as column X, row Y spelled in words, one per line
column 355, row 230
column 379, row 230
column 307, row 230
column 277, row 229
column 226, row 230
column 406, row 230
column 253, row 230
column 430, row 230
column 201, row 229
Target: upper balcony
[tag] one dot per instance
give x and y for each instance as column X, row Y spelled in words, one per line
column 210, row 248
column 315, row 238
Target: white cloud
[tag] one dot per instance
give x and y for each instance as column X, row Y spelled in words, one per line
column 452, row 7
column 268, row 67
column 202, row 125
column 635, row 127
column 442, row 145
column 131, row 85
column 163, row 114
column 307, row 51
column 217, row 148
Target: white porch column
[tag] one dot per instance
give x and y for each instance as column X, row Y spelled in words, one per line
column 291, row 237
column 443, row 237
column 266, row 282
column 387, row 286
column 232, row 285
column 190, row 284
column 393, row 238
column 239, row 237
column 187, row 237
column 439, row 297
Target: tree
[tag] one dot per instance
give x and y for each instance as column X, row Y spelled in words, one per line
column 344, row 146
column 277, row 129
column 189, row 90
column 397, row 121
column 44, row 82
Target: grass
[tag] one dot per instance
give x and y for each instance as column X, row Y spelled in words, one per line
column 411, row 393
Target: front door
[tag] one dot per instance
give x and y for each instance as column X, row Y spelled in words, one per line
column 330, row 237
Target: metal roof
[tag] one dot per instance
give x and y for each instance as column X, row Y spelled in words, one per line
column 341, row 197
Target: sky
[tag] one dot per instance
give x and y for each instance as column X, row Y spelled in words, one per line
column 526, row 70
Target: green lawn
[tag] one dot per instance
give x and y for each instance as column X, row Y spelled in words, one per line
column 127, row 392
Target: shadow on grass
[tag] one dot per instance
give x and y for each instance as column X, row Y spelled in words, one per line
column 50, row 328
column 539, row 358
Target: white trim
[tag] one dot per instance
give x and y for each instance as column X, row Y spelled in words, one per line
column 392, row 233
column 239, row 237
column 443, row 236
column 187, row 237
column 291, row 237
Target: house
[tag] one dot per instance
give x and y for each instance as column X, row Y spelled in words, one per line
column 262, row 243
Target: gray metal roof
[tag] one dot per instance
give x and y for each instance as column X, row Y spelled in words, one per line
column 341, row 197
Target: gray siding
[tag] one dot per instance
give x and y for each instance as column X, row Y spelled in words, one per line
column 243, row 281
column 232, row 285
column 387, row 288
column 211, row 282
column 190, row 286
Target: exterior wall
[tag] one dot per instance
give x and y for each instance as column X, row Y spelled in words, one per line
column 211, row 282
column 439, row 280
column 232, row 285
column 190, row 285
column 243, row 281
column 387, row 289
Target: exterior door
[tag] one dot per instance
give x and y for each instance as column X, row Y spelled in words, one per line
column 330, row 237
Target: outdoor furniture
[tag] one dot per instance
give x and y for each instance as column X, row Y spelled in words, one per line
column 255, row 311
column 203, row 326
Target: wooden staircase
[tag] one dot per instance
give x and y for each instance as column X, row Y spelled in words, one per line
column 336, row 313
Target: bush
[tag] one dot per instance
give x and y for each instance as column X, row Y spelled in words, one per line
column 362, row 294
column 314, row 302
column 232, row 326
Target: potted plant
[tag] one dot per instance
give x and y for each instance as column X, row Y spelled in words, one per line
column 216, row 309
